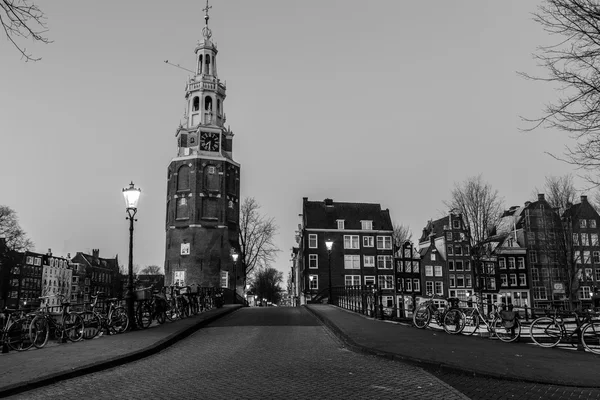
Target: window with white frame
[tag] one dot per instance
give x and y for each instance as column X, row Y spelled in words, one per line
column 585, row 239
column 588, row 274
column 408, row 285
column 313, row 281
column 384, row 262
column 501, row 263
column 468, row 282
column 351, row 261
column 539, row 293
column 351, row 242
column 386, row 281
column 503, row 280
column 369, row 261
column 313, row 261
column 429, row 270
column 460, row 281
column 429, row 287
column 594, row 238
column 369, row 280
column 520, row 263
column 449, row 236
column 587, row 258
column 352, row 280
column 179, row 278
column 533, row 256
column 511, row 263
column 592, row 223
column 596, row 257
column 513, row 279
column 439, row 288
column 367, row 225
column 451, row 265
column 597, row 274
column 416, row 285
column 384, row 242
column 368, row 241
column 585, row 293
column 415, row 267
column 433, row 257
column 582, row 223
column 467, row 265
column 452, row 281
column 438, row 270
column 312, row 241
column 522, row 279
column 340, row 224
column 450, row 250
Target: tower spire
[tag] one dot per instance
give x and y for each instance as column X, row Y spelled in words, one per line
column 206, row 32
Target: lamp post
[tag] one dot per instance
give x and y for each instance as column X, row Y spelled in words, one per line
column 132, row 195
column 329, row 245
column 234, row 256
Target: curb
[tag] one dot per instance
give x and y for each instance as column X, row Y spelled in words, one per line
column 115, row 361
column 427, row 365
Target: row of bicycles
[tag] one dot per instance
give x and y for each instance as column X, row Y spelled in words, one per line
column 579, row 328
column 21, row 330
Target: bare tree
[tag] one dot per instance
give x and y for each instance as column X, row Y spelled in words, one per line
column 23, row 19
column 257, row 233
column 266, row 284
column 400, row 235
column 480, row 205
column 151, row 270
column 572, row 68
column 124, row 269
column 15, row 236
column 559, row 192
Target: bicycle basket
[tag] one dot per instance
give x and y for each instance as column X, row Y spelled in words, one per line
column 508, row 318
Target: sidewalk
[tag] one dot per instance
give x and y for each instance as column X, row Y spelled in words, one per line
column 36, row 368
column 459, row 353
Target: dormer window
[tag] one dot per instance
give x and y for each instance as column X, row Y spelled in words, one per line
column 456, row 224
column 340, row 224
column 367, row 225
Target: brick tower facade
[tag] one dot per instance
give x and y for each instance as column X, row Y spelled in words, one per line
column 203, row 182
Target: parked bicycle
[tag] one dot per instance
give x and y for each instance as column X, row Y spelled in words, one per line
column 501, row 323
column 152, row 306
column 554, row 328
column 114, row 320
column 14, row 331
column 451, row 318
column 69, row 325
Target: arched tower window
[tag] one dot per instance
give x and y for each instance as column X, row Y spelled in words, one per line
column 208, row 110
column 183, row 178
column 182, row 208
column 200, row 64
column 196, row 104
column 208, row 64
column 211, row 178
column 218, row 106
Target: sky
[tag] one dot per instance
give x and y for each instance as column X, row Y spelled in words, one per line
column 387, row 101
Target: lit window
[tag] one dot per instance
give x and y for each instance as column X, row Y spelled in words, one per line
column 438, row 270
column 340, row 224
column 351, row 261
column 428, row 270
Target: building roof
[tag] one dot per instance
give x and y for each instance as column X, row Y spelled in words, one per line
column 436, row 227
column 95, row 261
column 324, row 214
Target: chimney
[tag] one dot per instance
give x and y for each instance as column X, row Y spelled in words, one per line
column 49, row 253
column 95, row 253
column 541, row 197
column 527, row 203
column 328, row 202
column 583, row 198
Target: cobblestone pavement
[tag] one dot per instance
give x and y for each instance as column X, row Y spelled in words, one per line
column 256, row 353
column 486, row 388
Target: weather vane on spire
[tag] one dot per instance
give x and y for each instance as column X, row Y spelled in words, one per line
column 206, row 32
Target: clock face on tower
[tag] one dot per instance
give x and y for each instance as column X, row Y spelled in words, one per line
column 209, row 141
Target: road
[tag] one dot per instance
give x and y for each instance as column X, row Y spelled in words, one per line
column 256, row 353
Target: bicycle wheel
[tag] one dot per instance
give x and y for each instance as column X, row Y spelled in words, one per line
column 421, row 316
column 471, row 322
column 144, row 315
column 172, row 310
column 506, row 333
column 193, row 305
column 73, row 327
column 39, row 330
column 91, row 323
column 453, row 321
column 184, row 311
column 590, row 336
column 545, row 332
column 17, row 335
column 118, row 320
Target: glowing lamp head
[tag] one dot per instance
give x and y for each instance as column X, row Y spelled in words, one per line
column 131, row 195
column 329, row 244
column 235, row 257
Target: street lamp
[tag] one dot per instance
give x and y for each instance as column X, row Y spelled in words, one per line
column 132, row 195
column 329, row 245
column 234, row 256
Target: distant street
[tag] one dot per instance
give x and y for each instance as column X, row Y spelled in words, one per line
column 256, row 353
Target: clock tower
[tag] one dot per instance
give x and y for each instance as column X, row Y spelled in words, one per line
column 203, row 183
